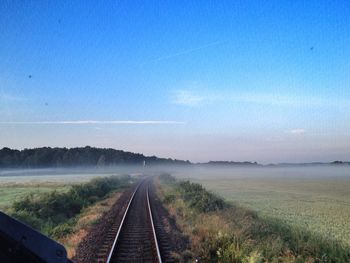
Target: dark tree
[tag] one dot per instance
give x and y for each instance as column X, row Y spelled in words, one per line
column 83, row 156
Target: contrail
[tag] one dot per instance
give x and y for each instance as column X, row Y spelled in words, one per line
column 87, row 122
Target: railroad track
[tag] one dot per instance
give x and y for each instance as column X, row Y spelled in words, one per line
column 134, row 239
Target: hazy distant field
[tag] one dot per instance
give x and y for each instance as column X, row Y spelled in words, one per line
column 315, row 198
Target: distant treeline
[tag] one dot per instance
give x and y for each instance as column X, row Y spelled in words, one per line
column 309, row 164
column 82, row 156
column 91, row 156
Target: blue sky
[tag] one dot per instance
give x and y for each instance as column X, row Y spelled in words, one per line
column 199, row 80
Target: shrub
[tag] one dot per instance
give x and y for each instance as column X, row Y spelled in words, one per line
column 62, row 229
column 167, row 178
column 200, row 199
column 49, row 212
column 169, row 198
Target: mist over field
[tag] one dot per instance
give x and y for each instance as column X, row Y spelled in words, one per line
column 63, row 175
column 291, row 171
column 300, row 173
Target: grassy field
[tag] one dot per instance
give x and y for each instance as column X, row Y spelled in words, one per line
column 10, row 193
column 318, row 201
column 17, row 183
column 223, row 232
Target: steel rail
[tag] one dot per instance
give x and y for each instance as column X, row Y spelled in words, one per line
column 121, row 224
column 153, row 229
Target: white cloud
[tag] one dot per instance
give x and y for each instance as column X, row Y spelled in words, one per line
column 192, row 98
column 297, row 131
column 188, row 98
column 86, row 122
column 8, row 97
column 290, row 100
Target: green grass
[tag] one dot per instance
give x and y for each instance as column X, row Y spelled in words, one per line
column 20, row 183
column 14, row 192
column 320, row 205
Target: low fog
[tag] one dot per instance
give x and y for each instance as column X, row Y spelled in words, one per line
column 194, row 171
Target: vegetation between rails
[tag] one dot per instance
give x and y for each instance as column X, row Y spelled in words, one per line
column 56, row 213
column 222, row 232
